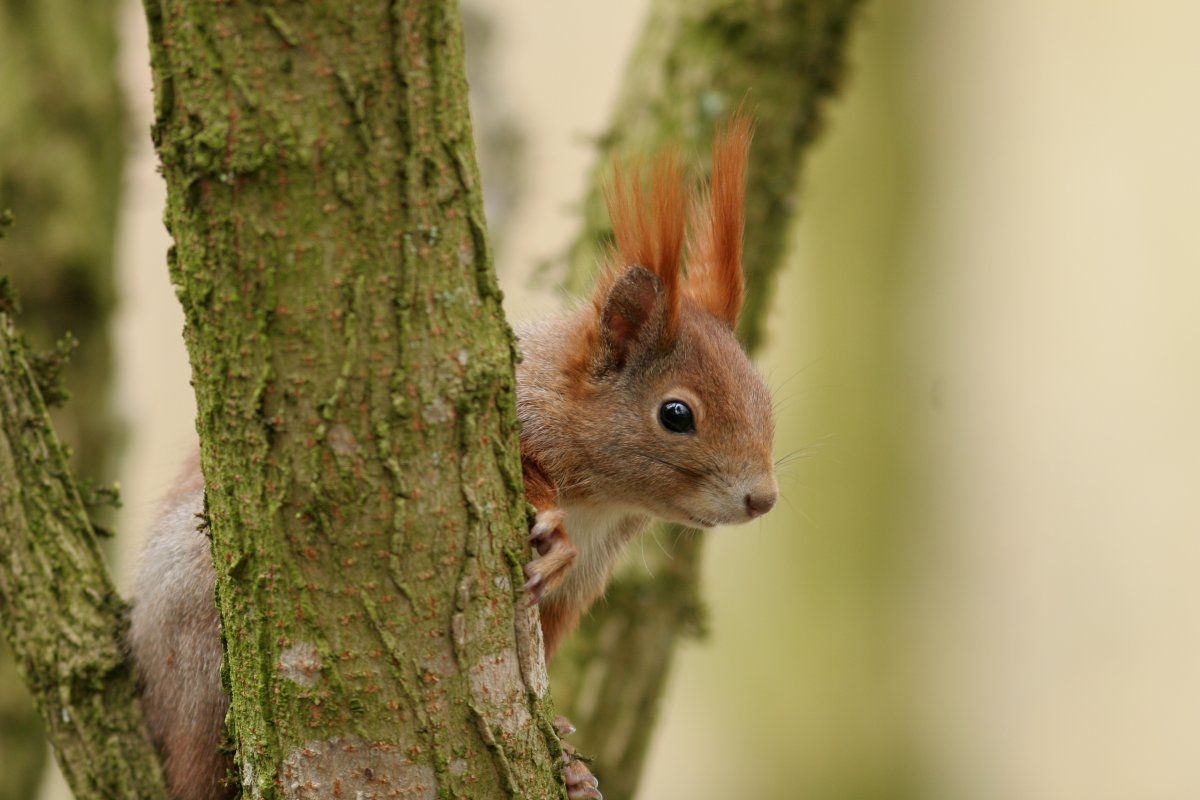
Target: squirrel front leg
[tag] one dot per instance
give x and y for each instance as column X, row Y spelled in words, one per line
column 555, row 555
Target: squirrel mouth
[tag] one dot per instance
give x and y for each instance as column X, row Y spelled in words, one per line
column 716, row 522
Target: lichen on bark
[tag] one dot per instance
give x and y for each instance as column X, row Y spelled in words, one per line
column 355, row 393
column 59, row 612
column 694, row 64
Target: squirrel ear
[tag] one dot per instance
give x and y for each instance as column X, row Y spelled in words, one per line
column 633, row 319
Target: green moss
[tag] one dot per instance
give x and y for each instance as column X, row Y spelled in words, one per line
column 59, row 612
column 354, row 381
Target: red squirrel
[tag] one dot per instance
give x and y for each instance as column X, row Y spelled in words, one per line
column 639, row 405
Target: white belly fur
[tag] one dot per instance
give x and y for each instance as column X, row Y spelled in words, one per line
column 600, row 533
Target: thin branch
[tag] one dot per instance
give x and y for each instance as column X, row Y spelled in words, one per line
column 59, row 611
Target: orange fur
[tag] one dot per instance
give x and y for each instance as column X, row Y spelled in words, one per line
column 649, row 221
column 715, row 279
column 559, row 617
column 649, row 226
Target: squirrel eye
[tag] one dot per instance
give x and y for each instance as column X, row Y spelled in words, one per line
column 676, row 416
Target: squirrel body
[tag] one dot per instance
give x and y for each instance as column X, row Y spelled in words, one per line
column 175, row 638
column 639, row 405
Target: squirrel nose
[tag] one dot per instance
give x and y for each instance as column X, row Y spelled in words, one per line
column 759, row 504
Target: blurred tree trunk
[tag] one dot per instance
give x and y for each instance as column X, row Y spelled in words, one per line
column 22, row 739
column 499, row 138
column 61, row 132
column 695, row 63
column 60, row 171
column 355, row 392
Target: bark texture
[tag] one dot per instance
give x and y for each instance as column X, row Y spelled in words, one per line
column 60, row 160
column 58, row 609
column 355, row 391
column 695, row 62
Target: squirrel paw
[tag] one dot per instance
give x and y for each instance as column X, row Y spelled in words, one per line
column 555, row 556
column 581, row 783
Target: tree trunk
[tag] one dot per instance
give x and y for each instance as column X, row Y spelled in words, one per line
column 60, row 173
column 695, row 62
column 499, row 139
column 354, row 380
column 59, row 611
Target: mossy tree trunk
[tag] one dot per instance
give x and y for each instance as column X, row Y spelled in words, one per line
column 355, row 387
column 59, row 611
column 694, row 63
column 61, row 127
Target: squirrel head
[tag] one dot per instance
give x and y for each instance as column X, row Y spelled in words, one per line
column 678, row 421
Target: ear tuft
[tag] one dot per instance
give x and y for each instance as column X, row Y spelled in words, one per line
column 649, row 222
column 633, row 317
column 715, row 278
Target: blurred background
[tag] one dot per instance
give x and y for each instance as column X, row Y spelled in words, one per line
column 984, row 582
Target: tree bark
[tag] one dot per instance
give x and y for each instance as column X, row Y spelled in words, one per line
column 355, row 390
column 61, row 127
column 58, row 609
column 695, row 62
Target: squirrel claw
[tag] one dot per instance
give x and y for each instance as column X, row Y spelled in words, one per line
column 532, row 587
column 555, row 556
column 545, row 525
column 581, row 783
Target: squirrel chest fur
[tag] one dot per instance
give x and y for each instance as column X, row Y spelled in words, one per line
column 639, row 405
